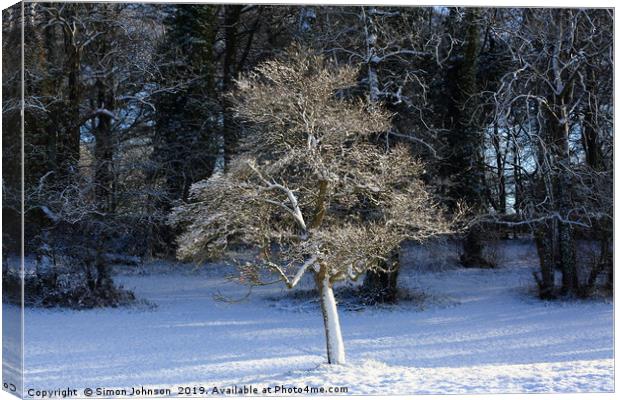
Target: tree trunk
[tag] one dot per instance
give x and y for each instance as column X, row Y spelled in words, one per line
column 103, row 151
column 472, row 256
column 465, row 165
column 104, row 279
column 544, row 247
column 333, row 334
column 380, row 286
column 570, row 278
column 69, row 143
column 501, row 176
column 598, row 266
column 518, row 185
column 370, row 30
column 607, row 258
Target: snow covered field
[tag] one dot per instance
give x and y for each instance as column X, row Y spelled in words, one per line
column 480, row 331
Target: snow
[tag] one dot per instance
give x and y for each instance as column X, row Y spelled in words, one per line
column 488, row 335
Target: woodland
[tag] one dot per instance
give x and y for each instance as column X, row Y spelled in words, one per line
column 296, row 140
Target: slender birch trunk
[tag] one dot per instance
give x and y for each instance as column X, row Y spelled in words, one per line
column 333, row 333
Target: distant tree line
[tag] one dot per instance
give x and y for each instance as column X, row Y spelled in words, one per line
column 128, row 105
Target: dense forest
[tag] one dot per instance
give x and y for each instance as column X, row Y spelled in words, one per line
column 496, row 122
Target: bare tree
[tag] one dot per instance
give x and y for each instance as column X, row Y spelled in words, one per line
column 547, row 103
column 310, row 188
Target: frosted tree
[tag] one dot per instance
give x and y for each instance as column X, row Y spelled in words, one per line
column 311, row 186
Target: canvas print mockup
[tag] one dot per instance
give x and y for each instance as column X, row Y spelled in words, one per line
column 206, row 200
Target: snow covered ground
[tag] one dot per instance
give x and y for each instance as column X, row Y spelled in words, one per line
column 480, row 331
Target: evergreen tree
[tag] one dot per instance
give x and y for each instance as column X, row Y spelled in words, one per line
column 184, row 149
column 463, row 166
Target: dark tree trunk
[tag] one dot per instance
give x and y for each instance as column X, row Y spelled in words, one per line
column 472, row 256
column 570, row 278
column 501, row 178
column 104, row 277
column 589, row 132
column 104, row 174
column 103, row 151
column 472, row 186
column 518, row 182
column 69, row 144
column 380, row 286
column 609, row 263
column 545, row 249
column 566, row 241
column 607, row 259
column 463, row 167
